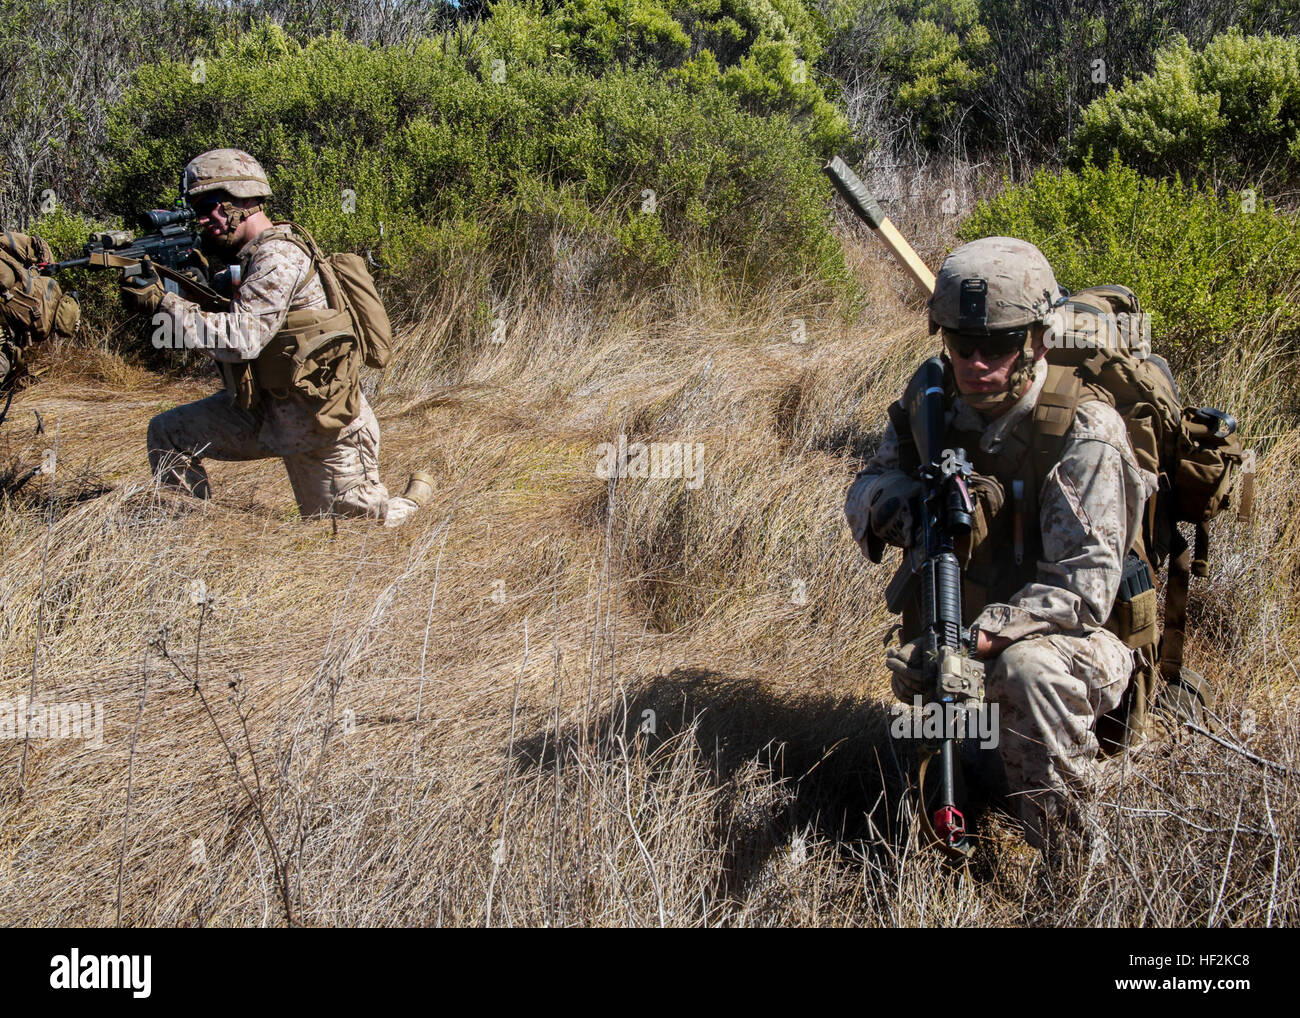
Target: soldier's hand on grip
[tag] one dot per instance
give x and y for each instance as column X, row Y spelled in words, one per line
column 142, row 291
column 907, row 664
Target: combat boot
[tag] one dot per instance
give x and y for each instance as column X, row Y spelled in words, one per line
column 419, row 489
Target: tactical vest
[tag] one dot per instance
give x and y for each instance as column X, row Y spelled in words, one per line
column 315, row 358
column 1007, row 543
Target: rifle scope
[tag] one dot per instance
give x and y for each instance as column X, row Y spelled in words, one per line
column 159, row 218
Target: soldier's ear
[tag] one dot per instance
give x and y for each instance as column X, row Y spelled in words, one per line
column 1036, row 333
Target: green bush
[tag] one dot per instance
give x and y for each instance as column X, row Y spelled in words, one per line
column 1231, row 110
column 934, row 52
column 371, row 147
column 1204, row 265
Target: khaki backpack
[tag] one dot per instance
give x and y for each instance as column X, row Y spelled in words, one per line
column 349, row 286
column 317, row 355
column 33, row 307
column 1197, row 457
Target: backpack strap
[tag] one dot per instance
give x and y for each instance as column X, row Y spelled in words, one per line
column 286, row 231
column 1060, row 397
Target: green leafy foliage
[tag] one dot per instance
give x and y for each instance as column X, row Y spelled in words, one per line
column 1204, row 265
column 505, row 127
column 600, row 33
column 935, row 53
column 1232, row 109
column 762, row 51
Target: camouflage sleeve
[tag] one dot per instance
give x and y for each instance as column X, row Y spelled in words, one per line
column 257, row 312
column 880, row 472
column 1091, row 507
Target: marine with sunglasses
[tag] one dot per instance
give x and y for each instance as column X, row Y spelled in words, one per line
column 1059, row 497
column 333, row 470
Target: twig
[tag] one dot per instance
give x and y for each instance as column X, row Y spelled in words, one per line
column 130, row 770
column 1227, row 863
column 631, row 823
column 499, row 851
column 424, row 653
column 1277, row 856
column 40, row 615
column 254, row 800
column 1241, row 750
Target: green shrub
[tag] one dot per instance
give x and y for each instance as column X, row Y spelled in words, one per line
column 369, row 147
column 601, row 33
column 1204, row 266
column 1232, row 109
column 930, row 59
column 934, row 51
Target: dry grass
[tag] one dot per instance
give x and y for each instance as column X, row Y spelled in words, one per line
column 447, row 723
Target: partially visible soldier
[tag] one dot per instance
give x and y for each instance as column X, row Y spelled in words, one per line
column 332, row 457
column 1060, row 495
column 32, row 307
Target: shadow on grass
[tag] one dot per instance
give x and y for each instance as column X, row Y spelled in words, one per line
column 821, row 766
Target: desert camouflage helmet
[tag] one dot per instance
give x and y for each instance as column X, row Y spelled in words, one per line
column 991, row 284
column 230, row 170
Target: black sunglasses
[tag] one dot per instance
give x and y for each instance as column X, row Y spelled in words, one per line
column 203, row 204
column 992, row 346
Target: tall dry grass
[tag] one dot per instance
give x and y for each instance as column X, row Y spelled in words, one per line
column 556, row 699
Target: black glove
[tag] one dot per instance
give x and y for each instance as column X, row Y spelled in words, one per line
column 893, row 510
column 906, row 663
column 143, row 291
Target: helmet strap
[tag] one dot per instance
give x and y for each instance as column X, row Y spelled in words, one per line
column 236, row 214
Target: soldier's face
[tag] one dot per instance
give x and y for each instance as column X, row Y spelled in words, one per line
column 981, row 372
column 212, row 219
column 985, row 372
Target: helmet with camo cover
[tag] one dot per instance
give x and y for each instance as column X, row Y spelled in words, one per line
column 230, row 170
column 993, row 284
column 996, row 286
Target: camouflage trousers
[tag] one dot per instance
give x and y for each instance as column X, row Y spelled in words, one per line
column 1050, row 690
column 338, row 476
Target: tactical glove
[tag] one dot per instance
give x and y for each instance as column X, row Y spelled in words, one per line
column 197, row 268
column 892, row 511
column 144, row 291
column 907, row 663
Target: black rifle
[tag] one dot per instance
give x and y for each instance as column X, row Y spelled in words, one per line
column 954, row 677
column 173, row 251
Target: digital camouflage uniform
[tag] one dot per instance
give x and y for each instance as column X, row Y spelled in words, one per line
column 337, row 476
column 1063, row 670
